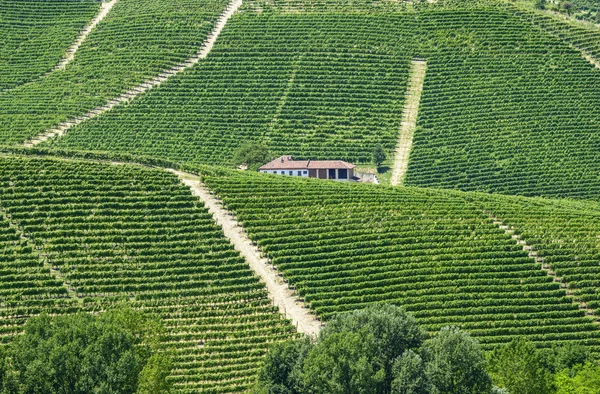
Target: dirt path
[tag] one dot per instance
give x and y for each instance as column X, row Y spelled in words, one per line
column 71, row 291
column 289, row 304
column 409, row 120
column 588, row 57
column 70, row 54
column 205, row 49
column 543, row 265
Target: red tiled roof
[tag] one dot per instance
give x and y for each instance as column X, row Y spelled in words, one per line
column 288, row 163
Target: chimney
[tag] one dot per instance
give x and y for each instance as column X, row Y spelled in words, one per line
column 282, row 159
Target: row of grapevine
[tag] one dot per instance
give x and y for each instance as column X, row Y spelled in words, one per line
column 137, row 40
column 344, row 246
column 583, row 36
column 564, row 233
column 35, row 35
column 123, row 233
column 358, row 6
column 311, row 86
column 506, row 108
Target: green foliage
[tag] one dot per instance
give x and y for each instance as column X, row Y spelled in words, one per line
column 393, row 331
column 379, row 155
column 343, row 363
column 564, row 357
column 84, row 354
column 282, row 368
column 540, row 4
column 376, row 351
column 585, row 379
column 252, row 155
column 123, row 232
column 519, row 367
column 153, row 377
column 568, row 6
column 455, row 363
column 409, row 375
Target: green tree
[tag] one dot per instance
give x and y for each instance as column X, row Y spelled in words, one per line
column 251, row 154
column 568, row 6
column 82, row 354
column 282, row 369
column 409, row 375
column 540, row 4
column 519, row 367
column 566, row 356
column 379, row 155
column 582, row 379
column 342, row 364
column 455, row 363
column 394, row 331
column 153, row 378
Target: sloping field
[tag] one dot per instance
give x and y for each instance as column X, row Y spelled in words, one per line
column 36, row 34
column 313, row 86
column 516, row 113
column 565, row 234
column 347, row 246
column 505, row 108
column 119, row 233
column 137, row 40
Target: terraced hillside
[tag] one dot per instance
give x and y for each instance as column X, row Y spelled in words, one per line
column 509, row 105
column 347, row 246
column 516, row 116
column 493, row 112
column 312, row 86
column 119, row 233
column 36, row 34
column 136, row 41
column 564, row 233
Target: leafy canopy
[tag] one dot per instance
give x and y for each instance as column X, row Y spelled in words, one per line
column 377, row 350
column 115, row 352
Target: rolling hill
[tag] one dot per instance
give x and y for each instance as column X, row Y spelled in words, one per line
column 495, row 227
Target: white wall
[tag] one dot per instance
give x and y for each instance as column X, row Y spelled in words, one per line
column 303, row 173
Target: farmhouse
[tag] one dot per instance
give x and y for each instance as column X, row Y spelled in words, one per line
column 325, row 169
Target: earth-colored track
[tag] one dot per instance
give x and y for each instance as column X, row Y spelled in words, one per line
column 409, row 120
column 70, row 54
column 205, row 49
column 289, row 304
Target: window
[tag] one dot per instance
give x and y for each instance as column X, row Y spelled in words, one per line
column 282, row 172
column 299, row 173
column 332, row 173
column 343, row 174
column 305, row 172
column 291, row 172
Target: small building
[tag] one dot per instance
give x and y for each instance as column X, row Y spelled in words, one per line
column 322, row 169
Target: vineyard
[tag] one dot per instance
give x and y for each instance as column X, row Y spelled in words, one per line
column 313, row 87
column 35, row 35
column 83, row 236
column 93, row 214
column 493, row 112
column 513, row 112
column 565, row 234
column 137, row 40
column 346, row 246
